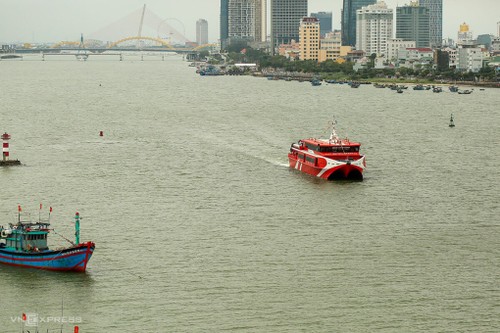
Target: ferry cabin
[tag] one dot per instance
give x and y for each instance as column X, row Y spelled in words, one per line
column 343, row 150
column 343, row 147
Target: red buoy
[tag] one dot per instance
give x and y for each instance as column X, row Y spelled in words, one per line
column 101, row 133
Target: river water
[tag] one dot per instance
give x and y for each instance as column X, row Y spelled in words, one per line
column 200, row 226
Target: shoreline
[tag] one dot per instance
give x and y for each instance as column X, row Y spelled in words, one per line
column 309, row 76
column 440, row 83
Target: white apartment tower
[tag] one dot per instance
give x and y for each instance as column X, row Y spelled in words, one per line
column 201, row 32
column 374, row 28
column 247, row 20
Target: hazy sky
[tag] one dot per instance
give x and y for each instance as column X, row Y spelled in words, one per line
column 57, row 20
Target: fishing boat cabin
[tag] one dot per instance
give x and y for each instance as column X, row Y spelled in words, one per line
column 25, row 236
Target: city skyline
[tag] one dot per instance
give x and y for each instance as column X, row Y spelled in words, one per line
column 59, row 20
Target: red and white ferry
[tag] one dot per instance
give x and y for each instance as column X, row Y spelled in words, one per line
column 331, row 159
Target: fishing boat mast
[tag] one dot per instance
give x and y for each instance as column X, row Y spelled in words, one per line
column 77, row 228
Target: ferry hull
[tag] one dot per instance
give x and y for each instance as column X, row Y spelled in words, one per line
column 69, row 259
column 336, row 170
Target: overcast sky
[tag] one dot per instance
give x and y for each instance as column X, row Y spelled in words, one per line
column 58, row 20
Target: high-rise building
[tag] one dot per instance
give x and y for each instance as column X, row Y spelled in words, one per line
column 285, row 21
column 498, row 29
column 263, row 37
column 412, row 23
column 348, row 21
column 435, row 21
column 325, row 22
column 374, row 28
column 224, row 22
column 309, row 35
column 247, row 20
column 201, row 32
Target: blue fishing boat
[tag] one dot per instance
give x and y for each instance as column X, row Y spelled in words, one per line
column 210, row 71
column 315, row 82
column 24, row 244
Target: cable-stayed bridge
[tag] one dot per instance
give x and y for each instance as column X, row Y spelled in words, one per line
column 143, row 23
column 140, row 30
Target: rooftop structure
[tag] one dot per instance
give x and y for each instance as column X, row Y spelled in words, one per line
column 464, row 34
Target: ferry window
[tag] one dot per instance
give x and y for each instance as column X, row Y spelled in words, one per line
column 310, row 159
column 312, row 147
column 301, row 156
